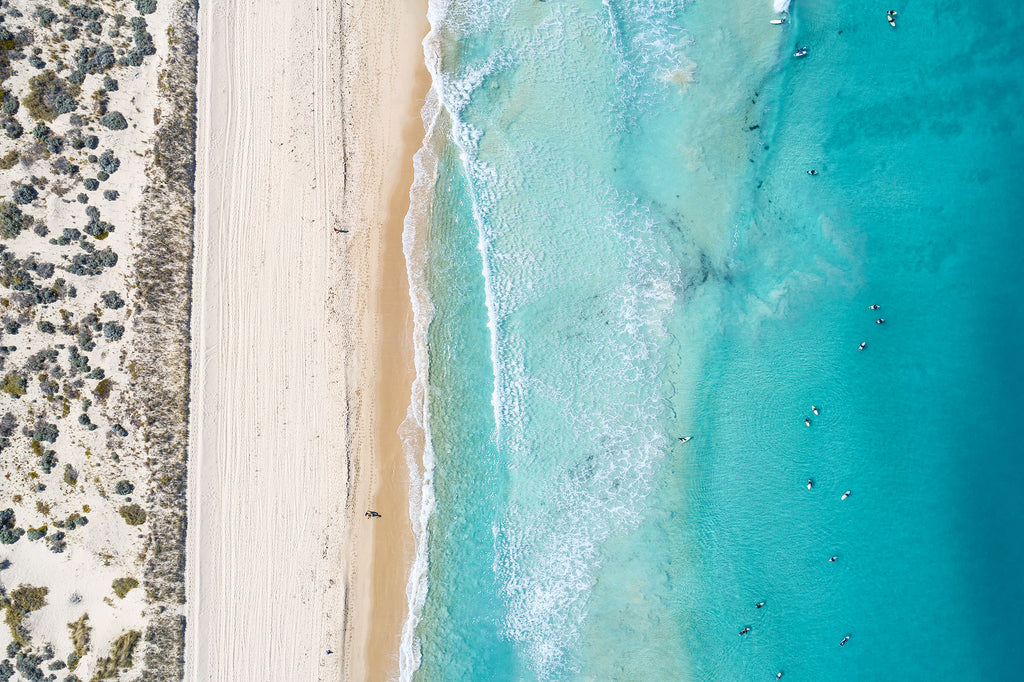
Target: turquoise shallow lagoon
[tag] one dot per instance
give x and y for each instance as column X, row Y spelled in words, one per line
column 625, row 247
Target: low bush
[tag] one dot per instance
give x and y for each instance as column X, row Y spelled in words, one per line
column 70, row 473
column 114, row 120
column 113, row 331
column 46, row 432
column 112, row 300
column 122, row 586
column 145, row 6
column 15, row 386
column 25, row 194
column 124, row 487
column 91, row 184
column 133, row 514
column 110, row 194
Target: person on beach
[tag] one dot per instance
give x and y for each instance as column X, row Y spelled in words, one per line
column 372, row 515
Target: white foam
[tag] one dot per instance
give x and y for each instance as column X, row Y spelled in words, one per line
column 780, row 6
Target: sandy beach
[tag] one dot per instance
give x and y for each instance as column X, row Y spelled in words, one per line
column 307, row 122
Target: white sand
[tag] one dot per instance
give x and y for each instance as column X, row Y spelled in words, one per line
column 268, row 478
column 287, row 323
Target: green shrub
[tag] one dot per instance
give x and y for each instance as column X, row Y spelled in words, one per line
column 133, row 514
column 120, row 657
column 123, row 586
column 91, row 184
column 12, row 220
column 50, row 95
column 124, row 487
column 145, row 6
column 8, row 160
column 15, row 386
column 70, row 474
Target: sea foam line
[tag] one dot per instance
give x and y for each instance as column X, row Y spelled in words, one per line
column 415, row 430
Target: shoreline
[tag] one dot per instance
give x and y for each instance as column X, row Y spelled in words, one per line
column 379, row 202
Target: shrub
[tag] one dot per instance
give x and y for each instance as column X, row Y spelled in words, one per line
column 113, row 331
column 25, row 194
column 12, row 220
column 13, row 129
column 47, row 327
column 50, row 95
column 120, row 657
column 46, row 16
column 94, row 27
column 46, row 432
column 91, row 184
column 12, row 327
column 92, row 142
column 55, row 145
column 36, row 62
column 108, row 162
column 110, row 84
column 133, row 514
column 48, row 460
column 80, row 632
column 15, row 386
column 122, row 586
column 70, row 474
column 145, row 6
column 82, row 198
column 114, row 120
column 124, row 487
column 89, row 264
column 102, row 176
column 102, row 390
column 62, row 166
column 69, row 33
column 122, row 432
column 9, row 160
column 112, row 300
column 36, row 533
column 110, row 194
column 8, row 533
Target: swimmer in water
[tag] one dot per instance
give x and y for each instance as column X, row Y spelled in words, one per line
column 845, row 495
column 891, row 16
column 807, row 422
column 801, row 52
column 863, row 345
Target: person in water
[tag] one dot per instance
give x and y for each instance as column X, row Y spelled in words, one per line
column 812, row 172
column 880, row 320
column 832, row 559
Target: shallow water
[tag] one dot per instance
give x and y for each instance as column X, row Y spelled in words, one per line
column 625, row 248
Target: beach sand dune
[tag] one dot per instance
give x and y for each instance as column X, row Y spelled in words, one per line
column 306, row 114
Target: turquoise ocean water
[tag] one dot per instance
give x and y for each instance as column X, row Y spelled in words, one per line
column 622, row 247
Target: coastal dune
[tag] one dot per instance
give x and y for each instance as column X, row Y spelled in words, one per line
column 304, row 110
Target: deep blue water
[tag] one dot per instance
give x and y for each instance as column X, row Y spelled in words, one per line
column 625, row 247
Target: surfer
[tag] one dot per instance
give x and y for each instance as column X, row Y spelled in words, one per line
column 845, row 640
column 874, row 306
column 880, row 320
column 891, row 16
column 685, row 439
column 758, row 604
column 744, row 631
column 807, row 422
column 812, row 172
column 801, row 52
column 832, row 559
column 810, row 483
column 863, row 345
column 845, row 495
column 814, row 409
column 779, row 675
